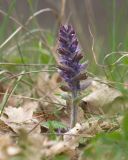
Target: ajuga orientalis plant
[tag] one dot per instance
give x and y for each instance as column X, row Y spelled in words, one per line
column 70, row 68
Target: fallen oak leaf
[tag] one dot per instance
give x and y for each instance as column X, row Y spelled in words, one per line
column 21, row 117
column 101, row 99
column 21, row 114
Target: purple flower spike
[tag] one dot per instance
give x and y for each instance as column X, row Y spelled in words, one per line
column 70, row 68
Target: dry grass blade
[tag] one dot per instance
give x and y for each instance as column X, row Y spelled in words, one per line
column 7, row 96
column 21, row 26
column 20, row 64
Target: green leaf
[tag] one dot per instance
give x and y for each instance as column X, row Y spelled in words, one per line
column 53, row 124
column 114, row 136
column 61, row 157
column 50, row 38
column 44, row 58
column 125, row 125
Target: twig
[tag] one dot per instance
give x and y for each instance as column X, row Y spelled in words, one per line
column 25, row 73
column 31, row 98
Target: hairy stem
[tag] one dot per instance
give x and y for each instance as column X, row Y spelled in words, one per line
column 74, row 108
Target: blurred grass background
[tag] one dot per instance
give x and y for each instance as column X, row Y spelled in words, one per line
column 28, row 34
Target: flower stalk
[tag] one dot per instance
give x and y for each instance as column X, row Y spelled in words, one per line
column 74, row 109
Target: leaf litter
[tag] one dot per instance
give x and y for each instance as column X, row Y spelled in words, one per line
column 21, row 128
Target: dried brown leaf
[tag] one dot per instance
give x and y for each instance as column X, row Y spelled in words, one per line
column 101, row 98
column 21, row 117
